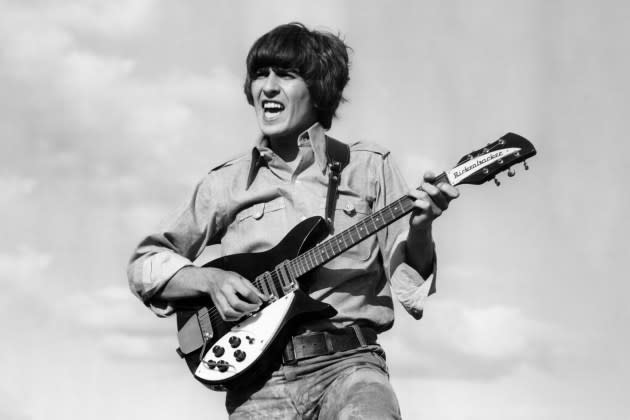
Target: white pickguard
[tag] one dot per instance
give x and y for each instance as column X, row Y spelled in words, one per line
column 255, row 334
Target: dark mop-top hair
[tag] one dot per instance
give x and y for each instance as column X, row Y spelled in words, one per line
column 320, row 58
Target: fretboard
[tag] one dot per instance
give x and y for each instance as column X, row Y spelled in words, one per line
column 329, row 249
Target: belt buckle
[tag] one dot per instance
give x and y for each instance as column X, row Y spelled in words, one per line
column 288, row 353
column 328, row 340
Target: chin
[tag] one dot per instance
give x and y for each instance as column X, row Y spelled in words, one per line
column 273, row 130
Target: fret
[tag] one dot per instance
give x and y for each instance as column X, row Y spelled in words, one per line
column 323, row 253
column 343, row 239
column 305, row 268
column 318, row 258
column 294, row 266
column 335, row 245
column 355, row 231
column 347, row 239
column 332, row 245
column 391, row 211
column 373, row 223
column 386, row 217
column 298, row 267
column 378, row 219
column 361, row 229
column 307, row 260
column 311, row 258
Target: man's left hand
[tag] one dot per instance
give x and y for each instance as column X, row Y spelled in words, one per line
column 430, row 202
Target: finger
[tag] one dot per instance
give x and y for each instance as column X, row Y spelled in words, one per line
column 415, row 194
column 240, row 305
column 436, row 195
column 423, row 203
column 247, row 291
column 429, row 188
column 225, row 310
column 426, row 208
column 449, row 190
column 429, row 176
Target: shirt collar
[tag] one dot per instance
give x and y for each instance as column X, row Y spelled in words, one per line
column 313, row 137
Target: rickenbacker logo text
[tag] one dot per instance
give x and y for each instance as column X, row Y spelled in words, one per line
column 482, row 161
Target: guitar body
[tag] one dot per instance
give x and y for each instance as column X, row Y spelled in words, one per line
column 220, row 353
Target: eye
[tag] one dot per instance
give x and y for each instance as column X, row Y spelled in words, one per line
column 286, row 73
column 261, row 72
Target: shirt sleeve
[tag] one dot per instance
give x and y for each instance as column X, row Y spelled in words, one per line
column 407, row 284
column 180, row 240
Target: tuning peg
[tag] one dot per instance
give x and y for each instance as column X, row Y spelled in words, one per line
column 525, row 165
column 511, row 172
column 497, row 182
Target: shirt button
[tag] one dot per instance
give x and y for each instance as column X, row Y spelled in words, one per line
column 259, row 213
column 349, row 209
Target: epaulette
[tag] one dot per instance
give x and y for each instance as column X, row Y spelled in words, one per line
column 230, row 162
column 362, row 146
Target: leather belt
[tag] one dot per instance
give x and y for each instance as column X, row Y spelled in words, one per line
column 322, row 343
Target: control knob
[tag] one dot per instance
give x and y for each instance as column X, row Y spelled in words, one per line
column 234, row 341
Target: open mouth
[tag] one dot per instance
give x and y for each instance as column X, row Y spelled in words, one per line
column 271, row 109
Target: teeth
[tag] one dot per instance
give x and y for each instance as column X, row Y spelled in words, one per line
column 272, row 106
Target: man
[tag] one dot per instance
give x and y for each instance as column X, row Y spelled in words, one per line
column 295, row 80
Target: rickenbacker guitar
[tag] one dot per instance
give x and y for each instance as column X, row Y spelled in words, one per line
column 222, row 354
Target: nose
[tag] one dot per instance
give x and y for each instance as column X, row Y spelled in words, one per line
column 271, row 86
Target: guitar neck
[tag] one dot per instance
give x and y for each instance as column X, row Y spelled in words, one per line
column 341, row 242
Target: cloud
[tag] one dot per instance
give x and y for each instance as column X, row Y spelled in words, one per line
column 114, row 18
column 99, row 111
column 118, row 323
column 413, row 166
column 480, row 343
column 15, row 187
column 23, row 270
column 9, row 408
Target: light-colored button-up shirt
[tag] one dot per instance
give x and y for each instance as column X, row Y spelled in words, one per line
column 249, row 206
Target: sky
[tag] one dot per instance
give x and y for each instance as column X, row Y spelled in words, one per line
column 110, row 112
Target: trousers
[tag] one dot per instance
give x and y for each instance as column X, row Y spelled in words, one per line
column 346, row 385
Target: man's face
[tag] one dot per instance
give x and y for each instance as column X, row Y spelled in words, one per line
column 282, row 102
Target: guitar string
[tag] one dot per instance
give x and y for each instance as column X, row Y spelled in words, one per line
column 316, row 252
column 215, row 316
column 341, row 241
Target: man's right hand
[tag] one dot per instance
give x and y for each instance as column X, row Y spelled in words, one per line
column 233, row 295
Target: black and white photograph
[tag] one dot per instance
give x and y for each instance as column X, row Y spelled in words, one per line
column 314, row 210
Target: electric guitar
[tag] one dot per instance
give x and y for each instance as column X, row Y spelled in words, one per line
column 220, row 354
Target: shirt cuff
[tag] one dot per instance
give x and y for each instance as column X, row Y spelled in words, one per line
column 410, row 288
column 157, row 271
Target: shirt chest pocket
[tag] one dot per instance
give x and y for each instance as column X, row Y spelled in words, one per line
column 260, row 211
column 256, row 228
column 348, row 212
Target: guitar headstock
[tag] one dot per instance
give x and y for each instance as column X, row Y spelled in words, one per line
column 484, row 164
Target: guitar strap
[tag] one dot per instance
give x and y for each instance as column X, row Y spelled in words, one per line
column 338, row 154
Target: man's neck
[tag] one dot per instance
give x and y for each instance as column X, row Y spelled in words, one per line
column 286, row 148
